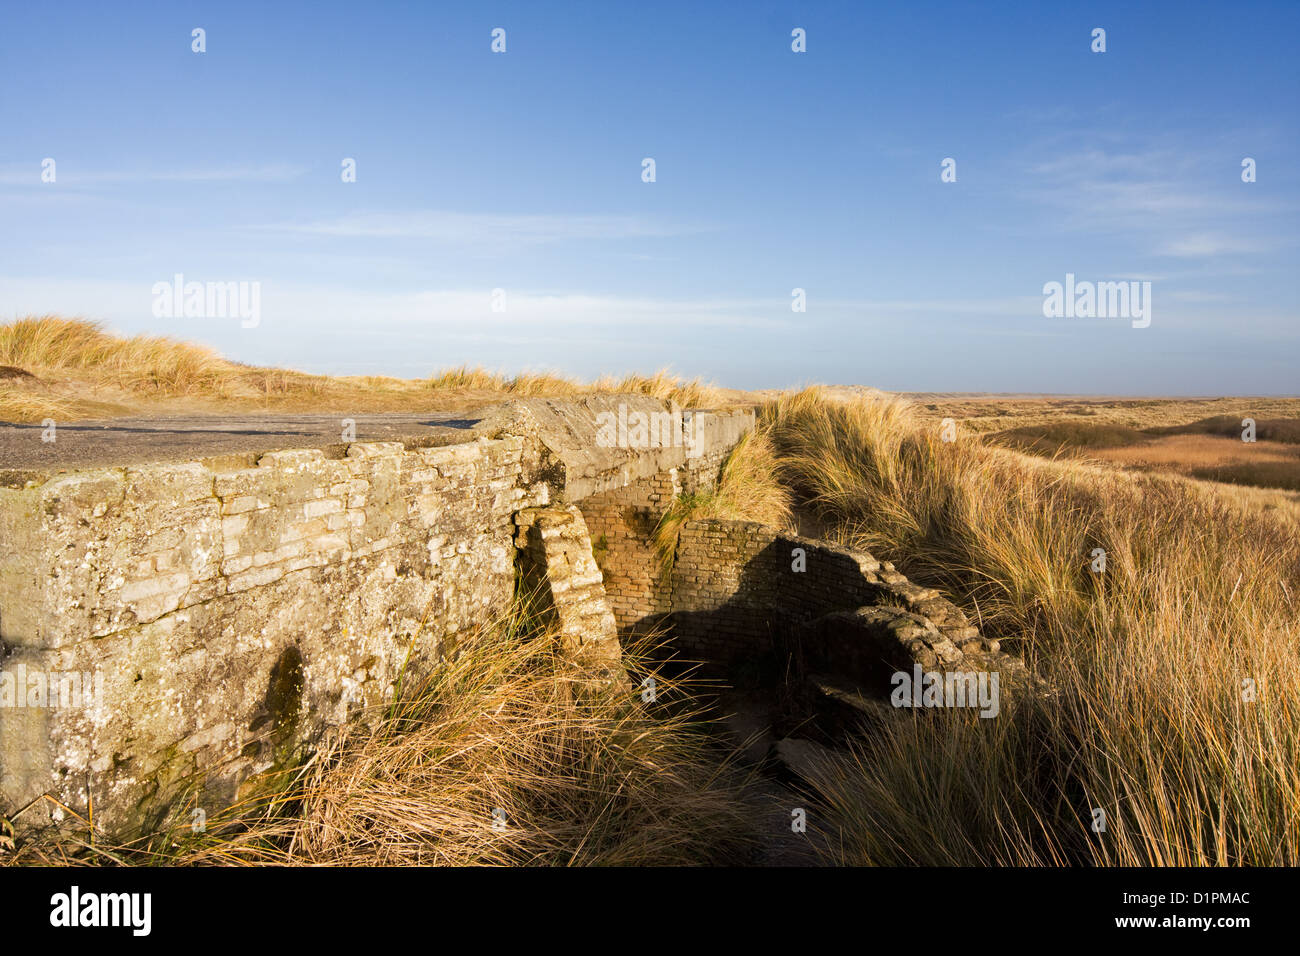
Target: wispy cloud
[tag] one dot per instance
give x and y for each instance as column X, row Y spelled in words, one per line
column 1169, row 201
column 69, row 173
column 300, row 307
column 1205, row 244
column 1196, row 296
column 487, row 228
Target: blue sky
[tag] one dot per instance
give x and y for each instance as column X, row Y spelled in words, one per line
column 775, row 170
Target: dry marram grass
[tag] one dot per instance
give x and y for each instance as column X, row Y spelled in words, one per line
column 503, row 754
column 72, row 368
column 1152, row 723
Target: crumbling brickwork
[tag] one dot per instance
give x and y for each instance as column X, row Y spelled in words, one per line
column 737, row 584
column 623, row 522
column 559, row 571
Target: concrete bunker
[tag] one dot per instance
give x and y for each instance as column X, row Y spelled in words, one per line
column 238, row 606
column 235, row 608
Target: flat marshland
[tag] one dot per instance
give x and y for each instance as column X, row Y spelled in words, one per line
column 1172, row 736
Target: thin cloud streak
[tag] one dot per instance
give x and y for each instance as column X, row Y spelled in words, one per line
column 69, row 173
column 486, row 228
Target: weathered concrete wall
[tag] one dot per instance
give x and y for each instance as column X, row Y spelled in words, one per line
column 231, row 609
column 605, row 442
column 185, row 585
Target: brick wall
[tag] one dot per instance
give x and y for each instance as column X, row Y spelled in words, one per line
column 736, row 586
column 622, row 523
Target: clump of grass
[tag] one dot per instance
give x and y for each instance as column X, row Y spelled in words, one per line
column 542, row 383
column 666, row 387
column 1150, row 657
column 662, row 385
column 22, row 404
column 523, row 384
column 272, row 383
column 880, row 809
column 748, row 489
column 140, row 363
column 495, row 757
column 465, row 377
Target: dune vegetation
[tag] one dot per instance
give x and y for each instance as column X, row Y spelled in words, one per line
column 1210, row 448
column 67, row 368
column 501, row 755
column 1177, row 713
